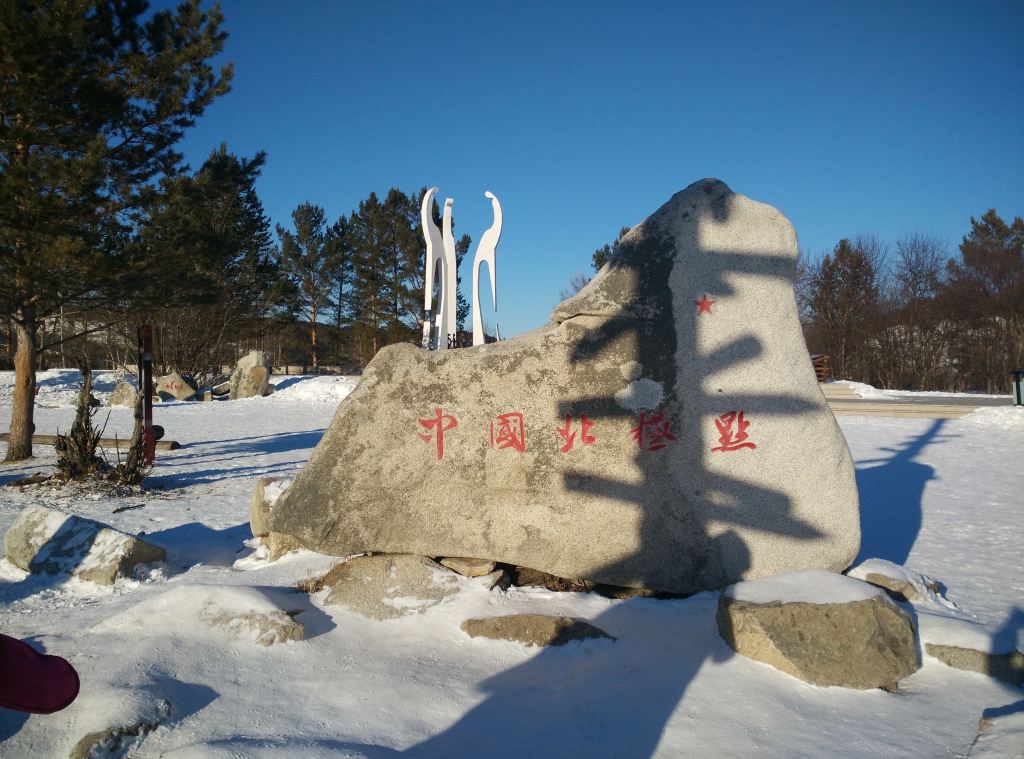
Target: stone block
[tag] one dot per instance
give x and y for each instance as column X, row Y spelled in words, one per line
column 820, row 627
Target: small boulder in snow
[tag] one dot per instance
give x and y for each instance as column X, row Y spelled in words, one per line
column 820, row 627
column 388, row 586
column 120, row 740
column 47, row 541
column 970, row 646
column 533, row 629
column 264, row 628
column 124, row 394
column 910, row 585
column 263, row 616
column 1008, row 667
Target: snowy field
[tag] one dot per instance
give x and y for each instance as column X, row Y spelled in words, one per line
column 939, row 497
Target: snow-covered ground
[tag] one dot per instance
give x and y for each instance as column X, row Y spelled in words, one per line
column 936, row 396
column 939, row 497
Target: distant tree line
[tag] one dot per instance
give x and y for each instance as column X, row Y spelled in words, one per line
column 914, row 317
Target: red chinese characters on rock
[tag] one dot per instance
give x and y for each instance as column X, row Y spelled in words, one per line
column 652, row 433
column 730, row 437
column 437, row 426
column 569, row 435
column 509, row 432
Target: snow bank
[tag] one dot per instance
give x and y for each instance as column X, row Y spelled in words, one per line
column 869, row 391
column 997, row 417
column 814, row 586
column 239, row 612
column 320, row 389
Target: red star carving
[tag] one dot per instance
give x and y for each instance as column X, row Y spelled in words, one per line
column 704, row 305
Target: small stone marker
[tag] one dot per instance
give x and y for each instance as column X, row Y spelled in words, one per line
column 533, row 629
column 175, row 387
column 665, row 430
column 820, row 627
column 43, row 540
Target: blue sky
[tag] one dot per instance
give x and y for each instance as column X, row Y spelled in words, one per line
column 583, row 117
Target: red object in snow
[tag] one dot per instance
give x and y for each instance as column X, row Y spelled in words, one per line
column 34, row 682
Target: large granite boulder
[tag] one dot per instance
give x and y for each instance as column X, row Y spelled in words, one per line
column 123, row 394
column 251, row 378
column 820, row 627
column 48, row 541
column 664, row 431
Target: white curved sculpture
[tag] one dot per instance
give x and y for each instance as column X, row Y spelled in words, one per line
column 434, row 257
column 440, row 252
column 485, row 251
column 449, row 293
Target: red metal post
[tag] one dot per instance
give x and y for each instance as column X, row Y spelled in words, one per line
column 146, row 387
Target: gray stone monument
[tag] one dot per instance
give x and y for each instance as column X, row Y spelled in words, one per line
column 665, row 429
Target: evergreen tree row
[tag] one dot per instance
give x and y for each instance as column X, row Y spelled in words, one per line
column 363, row 273
column 917, row 318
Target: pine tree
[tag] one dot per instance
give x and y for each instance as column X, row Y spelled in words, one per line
column 844, row 303
column 985, row 293
column 210, row 239
column 308, row 257
column 94, row 100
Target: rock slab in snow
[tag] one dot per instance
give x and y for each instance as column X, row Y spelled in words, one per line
column 47, row 541
column 852, row 635
column 1008, row 667
column 533, row 629
column 468, row 567
column 664, row 431
column 389, row 586
column 1000, row 733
